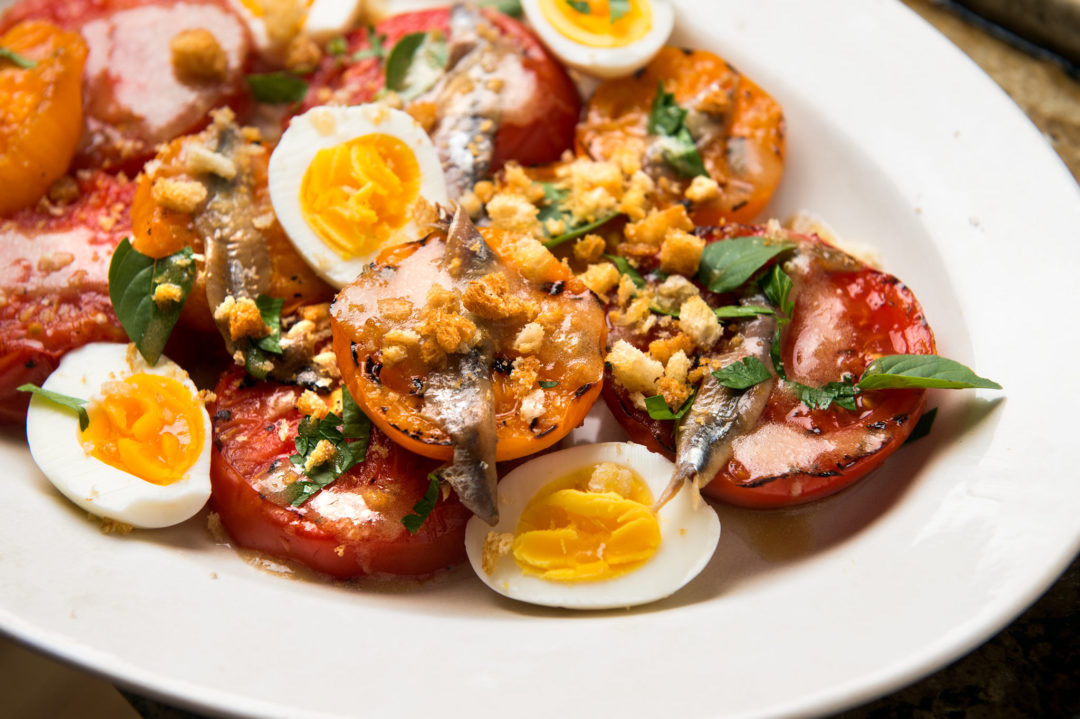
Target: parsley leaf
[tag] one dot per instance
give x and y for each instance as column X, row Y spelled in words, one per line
column 625, row 268
column 582, row 6
column 777, row 286
column 728, row 264
column 377, row 49
column 21, row 61
column 548, row 383
column 554, row 209
column 928, row 371
column 735, row 311
column 506, row 7
column 423, row 508
column 666, row 121
column 658, row 407
column 277, row 88
column 415, row 63
column 353, row 424
column 135, row 280
column 743, row 374
column 840, row 393
column 73, row 403
column 255, row 354
column 618, row 8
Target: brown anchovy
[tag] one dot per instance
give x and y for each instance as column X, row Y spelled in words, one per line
column 719, row 414
column 459, row 396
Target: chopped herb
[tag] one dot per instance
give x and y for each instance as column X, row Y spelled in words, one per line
column 377, row 49
column 579, row 231
column 506, row 7
column 549, row 383
column 662, row 311
column 927, row 371
column 922, row 427
column 256, row 351
column 734, row 311
column 277, row 88
column 423, row 508
column 135, row 280
column 582, row 6
column 618, row 8
column 840, row 393
column 554, row 208
column 666, row 121
column 336, row 46
column 777, row 286
column 728, row 264
column 415, row 63
column 658, row 407
column 625, row 268
column 73, row 403
column 21, row 61
column 355, row 426
column 743, row 374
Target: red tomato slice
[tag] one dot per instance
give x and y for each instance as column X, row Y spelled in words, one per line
column 351, row 528
column 535, row 131
column 843, row 319
column 54, row 284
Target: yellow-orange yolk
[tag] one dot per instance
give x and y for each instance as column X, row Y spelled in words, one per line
column 147, row 425
column 357, row 194
column 569, row 533
column 258, row 9
column 595, row 28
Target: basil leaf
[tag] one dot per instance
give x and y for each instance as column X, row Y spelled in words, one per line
column 743, row 374
column 665, row 117
column 922, row 427
column 548, row 384
column 582, row 6
column 415, row 63
column 24, row 62
column 506, row 7
column 134, row 279
column 728, row 264
column 840, row 393
column 774, row 354
column 658, row 408
column 423, row 508
column 733, row 311
column 618, row 8
column 553, row 209
column 625, row 268
column 277, row 88
column 682, row 154
column 73, row 403
column 336, row 46
column 777, row 286
column 353, row 424
column 662, row 311
column 377, row 49
column 923, row 371
column 256, row 352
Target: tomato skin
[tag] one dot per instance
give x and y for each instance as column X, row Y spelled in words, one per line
column 248, row 441
column 885, row 319
column 540, row 130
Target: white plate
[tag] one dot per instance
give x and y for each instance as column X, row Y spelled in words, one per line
column 898, row 140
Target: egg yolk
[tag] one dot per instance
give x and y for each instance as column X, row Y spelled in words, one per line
column 357, row 194
column 574, row 530
column 595, row 28
column 147, row 425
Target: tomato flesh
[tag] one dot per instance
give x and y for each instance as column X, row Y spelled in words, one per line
column 351, row 528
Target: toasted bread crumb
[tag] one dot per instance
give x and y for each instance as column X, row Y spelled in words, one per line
column 197, row 56
column 178, row 195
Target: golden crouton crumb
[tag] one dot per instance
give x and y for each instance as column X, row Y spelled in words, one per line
column 496, row 545
column 324, row 452
column 702, row 189
column 516, row 180
column 634, row 369
column 64, row 191
column 509, row 211
column 243, row 317
column 166, row 293
column 699, row 322
column 662, row 349
column 555, row 226
column 530, row 255
column 431, row 354
column 405, row 338
column 532, row 406
column 312, row 405
column 178, row 195
column 681, row 252
column 199, row 159
column 611, row 477
column 673, row 391
column 490, row 298
column 485, row 190
column 393, row 354
column 471, row 204
column 590, row 248
column 426, row 114
column 530, row 339
column 340, row 550
column 627, row 290
column 523, row 376
column 443, row 323
column 197, row 56
column 653, row 228
column 113, row 526
column 207, row 397
column 453, row 332
column 316, row 313
column 395, row 309
column 601, row 278
column 635, row 198
column 302, row 54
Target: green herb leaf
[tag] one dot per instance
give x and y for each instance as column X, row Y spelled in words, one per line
column 336, row 46
column 662, row 311
column 658, row 408
column 582, row 6
column 734, row 311
column 24, row 62
column 618, row 8
column 134, row 278
column 840, row 393
column 774, row 353
column 415, row 63
column 72, row 403
column 579, row 231
column 277, row 88
column 924, row 371
column 743, row 374
column 506, row 7
column 922, row 427
column 728, row 264
column 548, row 383
column 353, row 424
column 666, row 117
column 377, row 49
column 255, row 353
column 625, row 268
column 666, row 120
column 777, row 287
column 423, row 508
column 554, row 209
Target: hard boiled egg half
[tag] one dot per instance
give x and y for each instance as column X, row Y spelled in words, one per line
column 144, row 458
column 273, row 23
column 348, row 182
column 603, row 38
column 576, row 530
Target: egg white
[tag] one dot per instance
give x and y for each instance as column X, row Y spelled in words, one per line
column 688, row 535
column 326, row 127
column 323, row 20
column 609, row 62
column 53, row 435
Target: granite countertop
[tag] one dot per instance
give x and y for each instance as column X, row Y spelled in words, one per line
column 1032, row 667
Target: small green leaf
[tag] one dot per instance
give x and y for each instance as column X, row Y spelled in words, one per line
column 777, row 287
column 24, row 62
column 549, row 383
column 923, row 371
column 353, row 424
column 840, row 393
column 579, row 231
column 415, row 63
column 424, row 507
column 73, row 403
column 618, row 8
column 658, row 408
column 743, row 374
column 662, row 311
column 922, row 427
column 377, row 49
column 666, row 117
column 625, row 268
column 133, row 280
column 735, row 311
column 277, row 88
column 666, row 121
column 774, row 353
column 553, row 209
column 582, row 6
column 727, row 264
column 506, row 7
column 256, row 352
column 336, row 46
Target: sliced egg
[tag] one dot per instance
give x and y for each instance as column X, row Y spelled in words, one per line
column 273, row 23
column 144, row 459
column 576, row 530
column 584, row 36
column 348, row 182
